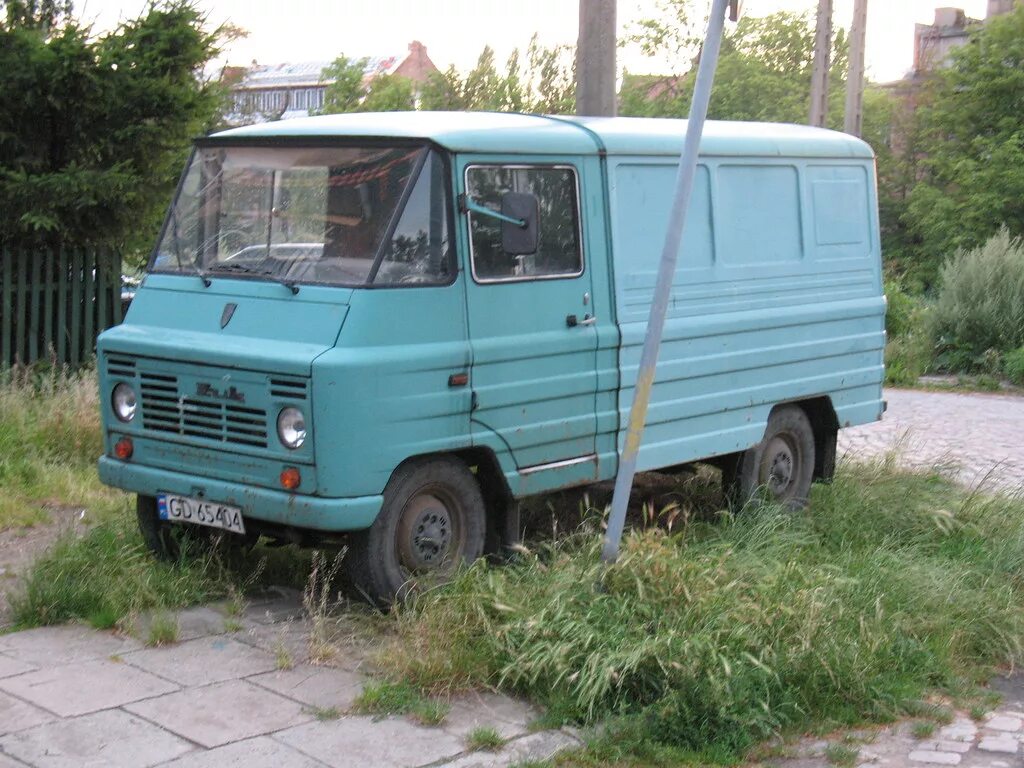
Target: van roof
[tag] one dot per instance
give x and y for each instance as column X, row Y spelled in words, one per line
column 544, row 134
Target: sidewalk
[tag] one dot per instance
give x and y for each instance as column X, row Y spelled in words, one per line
column 72, row 696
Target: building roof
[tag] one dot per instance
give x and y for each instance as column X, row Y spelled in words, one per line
column 540, row 134
column 305, row 73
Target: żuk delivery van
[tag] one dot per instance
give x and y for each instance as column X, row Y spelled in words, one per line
column 393, row 326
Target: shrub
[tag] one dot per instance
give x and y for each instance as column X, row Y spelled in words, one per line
column 980, row 305
column 908, row 351
column 1013, row 366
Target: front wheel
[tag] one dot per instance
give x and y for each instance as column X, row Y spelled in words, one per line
column 781, row 466
column 432, row 520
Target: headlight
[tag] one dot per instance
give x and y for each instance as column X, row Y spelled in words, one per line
column 123, row 401
column 291, row 427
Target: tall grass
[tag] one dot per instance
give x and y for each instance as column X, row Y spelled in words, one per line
column 726, row 631
column 980, row 307
column 49, row 442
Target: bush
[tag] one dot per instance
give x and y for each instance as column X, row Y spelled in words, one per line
column 1013, row 366
column 726, row 632
column 980, row 305
column 908, row 351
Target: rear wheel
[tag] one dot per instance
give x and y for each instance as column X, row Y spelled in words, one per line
column 432, row 520
column 781, row 467
column 170, row 541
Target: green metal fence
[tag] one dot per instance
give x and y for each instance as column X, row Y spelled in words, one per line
column 53, row 303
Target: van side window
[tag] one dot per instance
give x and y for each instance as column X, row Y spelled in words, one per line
column 558, row 253
column 417, row 252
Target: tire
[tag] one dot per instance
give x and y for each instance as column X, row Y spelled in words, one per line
column 432, row 521
column 169, row 541
column 780, row 468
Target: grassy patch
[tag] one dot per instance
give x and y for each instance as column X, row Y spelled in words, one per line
column 163, row 629
column 324, row 713
column 107, row 576
column 484, row 738
column 841, row 755
column 923, row 729
column 702, row 642
column 49, row 443
column 388, row 698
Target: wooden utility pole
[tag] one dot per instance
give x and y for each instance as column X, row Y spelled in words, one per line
column 854, row 119
column 595, row 59
column 822, row 63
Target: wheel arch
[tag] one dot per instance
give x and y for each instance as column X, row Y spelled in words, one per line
column 501, row 510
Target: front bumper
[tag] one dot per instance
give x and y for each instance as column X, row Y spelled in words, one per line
column 307, row 512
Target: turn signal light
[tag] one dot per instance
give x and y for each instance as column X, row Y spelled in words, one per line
column 124, row 448
column 290, row 479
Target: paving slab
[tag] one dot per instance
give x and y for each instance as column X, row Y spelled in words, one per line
column 288, row 638
column 112, row 738
column 260, row 752
column 280, row 604
column 363, row 741
column 314, row 686
column 10, row 762
column 77, row 689
column 70, row 644
column 192, row 623
column 204, row 660
column 10, row 667
column 221, row 713
column 506, row 715
column 17, row 715
column 536, row 747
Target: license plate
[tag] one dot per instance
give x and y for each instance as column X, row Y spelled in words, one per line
column 181, row 509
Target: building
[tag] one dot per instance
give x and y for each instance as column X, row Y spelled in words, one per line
column 263, row 92
column 933, row 43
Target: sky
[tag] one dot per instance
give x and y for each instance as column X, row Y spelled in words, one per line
column 455, row 31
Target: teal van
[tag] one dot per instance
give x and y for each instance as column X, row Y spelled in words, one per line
column 393, row 326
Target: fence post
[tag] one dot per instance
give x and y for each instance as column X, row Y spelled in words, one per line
column 75, row 309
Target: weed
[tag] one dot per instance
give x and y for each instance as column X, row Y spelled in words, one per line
column 978, row 712
column 163, row 629
column 323, row 713
column 429, row 711
column 484, row 738
column 841, row 755
column 387, row 698
column 317, row 600
column 922, row 729
column 232, row 625
column 729, row 630
column 283, row 658
column 50, row 440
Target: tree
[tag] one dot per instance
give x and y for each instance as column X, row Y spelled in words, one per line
column 35, row 14
column 547, row 85
column 970, row 144
column 350, row 91
column 764, row 72
column 93, row 131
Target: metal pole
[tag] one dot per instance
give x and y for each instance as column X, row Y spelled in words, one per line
column 666, row 273
column 854, row 119
column 595, row 59
column 822, row 62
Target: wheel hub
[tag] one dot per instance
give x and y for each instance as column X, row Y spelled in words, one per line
column 425, row 536
column 780, row 461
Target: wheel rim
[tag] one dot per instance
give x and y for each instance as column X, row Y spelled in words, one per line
column 429, row 532
column 780, row 465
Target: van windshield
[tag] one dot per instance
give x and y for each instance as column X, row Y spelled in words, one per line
column 337, row 215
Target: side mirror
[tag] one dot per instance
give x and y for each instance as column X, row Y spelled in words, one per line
column 520, row 240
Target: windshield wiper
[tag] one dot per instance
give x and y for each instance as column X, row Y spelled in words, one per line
column 289, row 284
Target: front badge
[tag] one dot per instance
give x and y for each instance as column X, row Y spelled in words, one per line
column 227, row 314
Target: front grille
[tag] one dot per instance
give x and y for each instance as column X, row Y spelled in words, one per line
column 164, row 409
column 288, row 389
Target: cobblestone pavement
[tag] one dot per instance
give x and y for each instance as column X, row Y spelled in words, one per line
column 993, row 741
column 977, row 438
column 72, row 696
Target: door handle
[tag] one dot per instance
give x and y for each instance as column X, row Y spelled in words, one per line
column 572, row 321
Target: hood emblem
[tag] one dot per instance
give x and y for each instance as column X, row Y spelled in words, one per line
column 227, row 314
